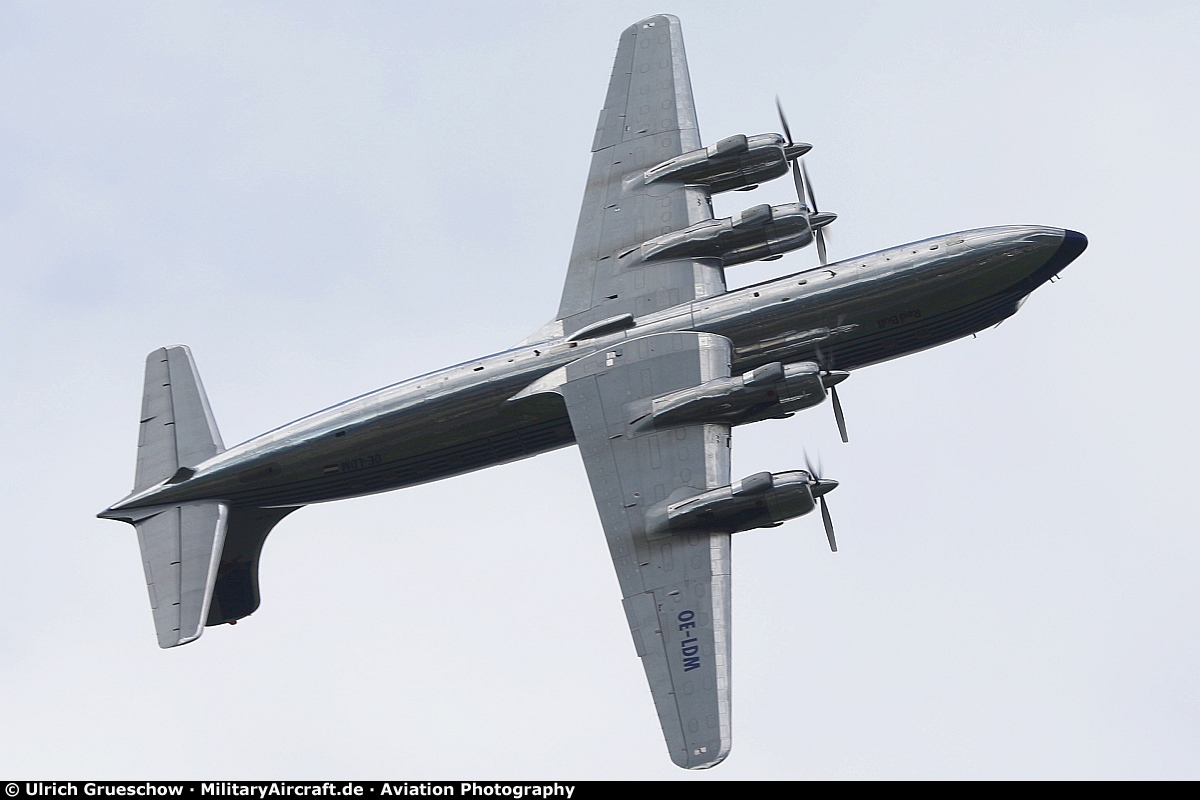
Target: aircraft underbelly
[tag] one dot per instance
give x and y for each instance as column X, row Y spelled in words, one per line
column 423, row 447
column 417, row 446
column 863, row 324
column 463, row 423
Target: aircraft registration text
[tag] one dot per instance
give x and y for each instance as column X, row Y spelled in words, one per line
column 900, row 319
column 688, row 647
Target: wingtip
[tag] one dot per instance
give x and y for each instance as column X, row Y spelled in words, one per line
column 668, row 18
column 704, row 757
column 696, row 762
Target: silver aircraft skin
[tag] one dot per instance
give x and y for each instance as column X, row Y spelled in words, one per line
column 648, row 384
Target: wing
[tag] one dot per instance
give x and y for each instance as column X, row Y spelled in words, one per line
column 675, row 586
column 648, row 117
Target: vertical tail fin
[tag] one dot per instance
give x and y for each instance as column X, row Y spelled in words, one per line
column 235, row 594
column 200, row 557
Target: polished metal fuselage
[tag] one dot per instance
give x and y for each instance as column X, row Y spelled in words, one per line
column 847, row 315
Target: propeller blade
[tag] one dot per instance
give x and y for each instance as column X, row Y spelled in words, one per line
column 812, row 198
column 783, row 121
column 799, row 182
column 819, row 233
column 815, row 472
column 828, row 525
column 838, row 415
column 827, row 365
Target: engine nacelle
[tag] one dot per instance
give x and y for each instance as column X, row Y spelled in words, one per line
column 756, row 233
column 737, row 162
column 772, row 390
column 762, row 500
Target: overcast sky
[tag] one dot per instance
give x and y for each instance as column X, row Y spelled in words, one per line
column 322, row 199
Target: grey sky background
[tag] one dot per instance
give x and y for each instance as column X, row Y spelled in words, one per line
column 325, row 199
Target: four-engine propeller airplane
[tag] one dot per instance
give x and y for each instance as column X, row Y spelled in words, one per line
column 648, row 365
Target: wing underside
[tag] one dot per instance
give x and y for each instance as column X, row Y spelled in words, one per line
column 675, row 587
column 648, row 117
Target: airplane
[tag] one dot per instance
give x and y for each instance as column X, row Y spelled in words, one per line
column 648, row 365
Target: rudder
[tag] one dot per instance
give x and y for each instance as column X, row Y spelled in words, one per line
column 235, row 594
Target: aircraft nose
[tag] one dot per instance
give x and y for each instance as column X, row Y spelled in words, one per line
column 1073, row 244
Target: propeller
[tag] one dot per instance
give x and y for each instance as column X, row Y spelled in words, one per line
column 830, row 378
column 821, row 487
column 794, row 151
column 818, row 232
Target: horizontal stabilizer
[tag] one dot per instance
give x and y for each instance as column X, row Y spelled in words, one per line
column 177, row 425
column 181, row 546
